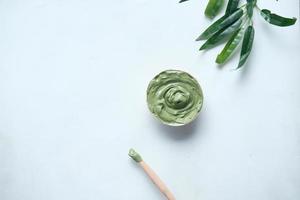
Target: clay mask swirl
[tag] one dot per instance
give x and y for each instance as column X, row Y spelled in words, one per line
column 175, row 97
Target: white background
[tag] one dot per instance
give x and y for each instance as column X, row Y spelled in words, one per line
column 73, row 77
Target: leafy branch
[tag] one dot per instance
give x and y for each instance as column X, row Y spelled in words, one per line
column 235, row 27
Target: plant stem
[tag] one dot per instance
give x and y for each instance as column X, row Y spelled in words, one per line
column 256, row 6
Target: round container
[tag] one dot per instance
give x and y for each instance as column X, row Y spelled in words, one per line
column 174, row 97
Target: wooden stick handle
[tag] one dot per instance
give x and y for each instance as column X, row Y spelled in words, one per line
column 157, row 181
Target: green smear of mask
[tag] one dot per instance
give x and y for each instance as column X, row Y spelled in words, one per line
column 135, row 155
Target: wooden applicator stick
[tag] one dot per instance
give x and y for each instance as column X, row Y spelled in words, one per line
column 152, row 175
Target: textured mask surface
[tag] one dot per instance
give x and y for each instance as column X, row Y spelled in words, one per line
column 175, row 97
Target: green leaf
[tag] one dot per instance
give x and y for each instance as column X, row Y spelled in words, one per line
column 221, row 35
column 246, row 46
column 276, row 19
column 232, row 6
column 182, row 1
column 220, row 24
column 231, row 45
column 250, row 6
column 213, row 8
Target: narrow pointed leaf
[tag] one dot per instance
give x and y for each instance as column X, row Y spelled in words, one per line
column 231, row 45
column 181, row 1
column 246, row 46
column 250, row 6
column 221, row 35
column 213, row 8
column 276, row 19
column 232, row 6
column 220, row 24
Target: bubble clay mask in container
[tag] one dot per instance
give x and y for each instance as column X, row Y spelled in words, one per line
column 174, row 97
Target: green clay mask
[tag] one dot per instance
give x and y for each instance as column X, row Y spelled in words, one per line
column 135, row 155
column 174, row 97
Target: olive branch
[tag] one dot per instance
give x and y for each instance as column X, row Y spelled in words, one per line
column 235, row 27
